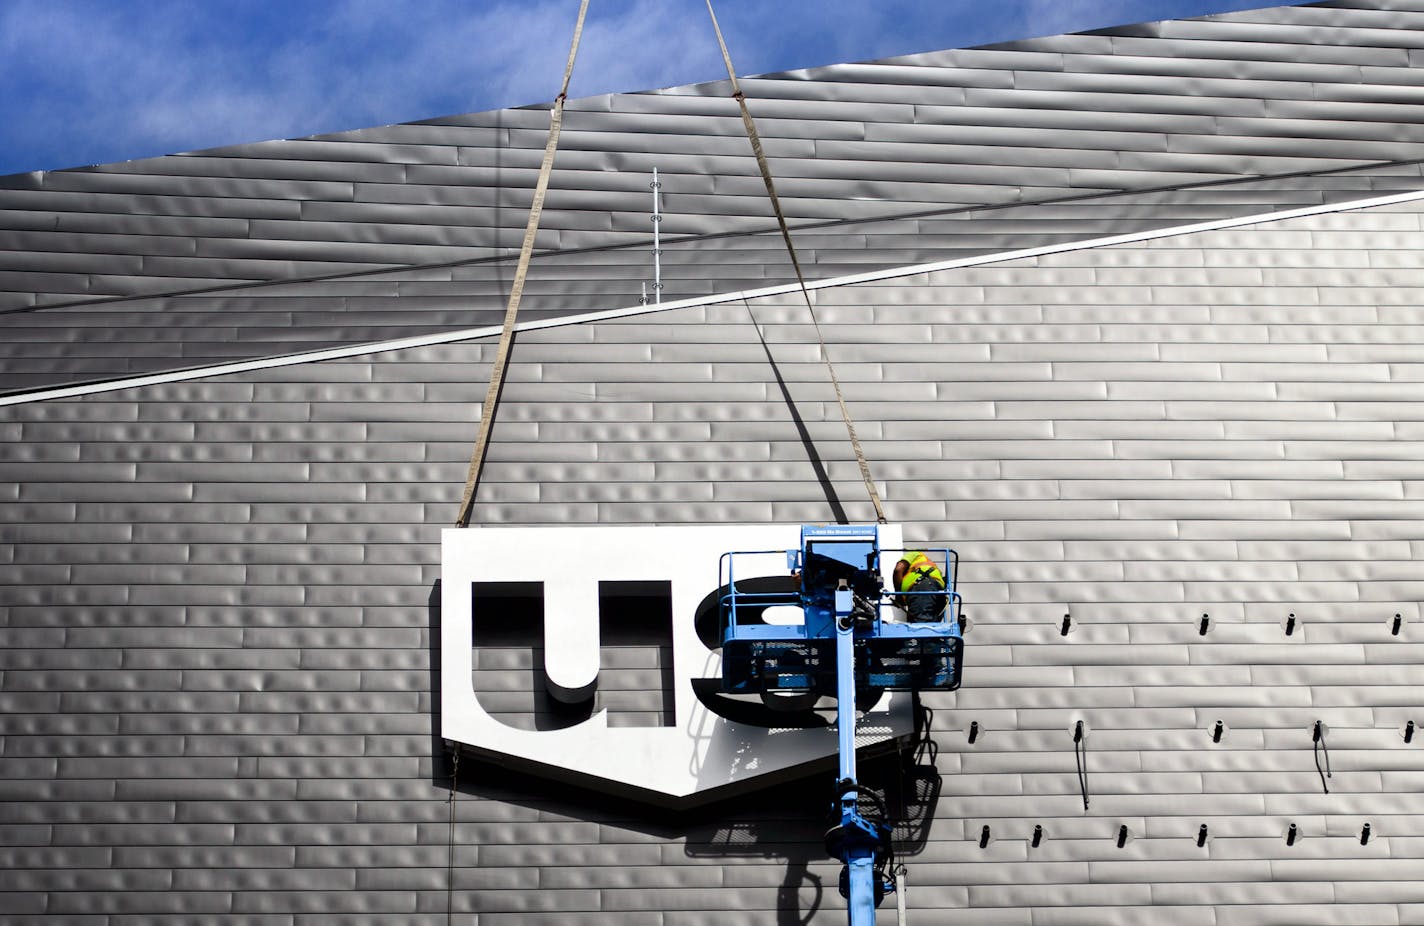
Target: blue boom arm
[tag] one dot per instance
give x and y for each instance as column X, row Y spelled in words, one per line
column 843, row 646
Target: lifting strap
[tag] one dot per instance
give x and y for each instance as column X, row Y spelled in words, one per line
column 796, row 265
column 506, row 337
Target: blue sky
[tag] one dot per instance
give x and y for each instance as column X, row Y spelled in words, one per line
column 94, row 81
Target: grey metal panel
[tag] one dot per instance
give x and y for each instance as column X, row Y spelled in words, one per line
column 832, row 249
column 216, row 681
column 1232, row 96
column 1279, row 56
column 1334, row 33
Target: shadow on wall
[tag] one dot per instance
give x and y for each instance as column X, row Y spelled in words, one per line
column 813, row 456
column 785, row 822
column 788, row 822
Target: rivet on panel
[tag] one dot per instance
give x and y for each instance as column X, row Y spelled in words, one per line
column 973, row 731
column 1396, row 625
column 1290, row 625
column 1122, row 836
column 1066, row 626
column 1365, row 835
column 1409, row 732
column 984, row 837
column 1291, row 835
column 1037, row 835
column 1201, row 836
column 1218, row 731
column 1205, row 624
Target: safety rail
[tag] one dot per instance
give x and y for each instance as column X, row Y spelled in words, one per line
column 798, row 656
column 730, row 597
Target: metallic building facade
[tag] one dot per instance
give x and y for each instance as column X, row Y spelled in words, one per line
column 219, row 595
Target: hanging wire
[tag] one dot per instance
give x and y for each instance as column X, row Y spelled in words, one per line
column 921, row 751
column 1080, row 757
column 454, row 778
column 1319, row 746
column 927, row 752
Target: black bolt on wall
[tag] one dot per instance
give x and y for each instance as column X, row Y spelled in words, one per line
column 1319, row 746
column 1290, row 625
column 973, row 731
column 1080, row 758
column 1067, row 625
column 1205, row 624
column 1365, row 835
column 1037, row 835
column 1217, row 731
column 1290, row 835
column 984, row 837
column 1201, row 836
column 1122, row 836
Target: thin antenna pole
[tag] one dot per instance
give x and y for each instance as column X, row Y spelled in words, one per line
column 657, row 238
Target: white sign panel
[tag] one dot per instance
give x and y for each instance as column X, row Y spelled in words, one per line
column 703, row 754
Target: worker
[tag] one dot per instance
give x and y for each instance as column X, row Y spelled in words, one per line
column 921, row 586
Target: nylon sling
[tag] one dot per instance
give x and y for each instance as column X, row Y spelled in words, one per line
column 506, row 337
column 796, row 265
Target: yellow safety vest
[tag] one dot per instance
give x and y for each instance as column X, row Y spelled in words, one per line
column 920, row 565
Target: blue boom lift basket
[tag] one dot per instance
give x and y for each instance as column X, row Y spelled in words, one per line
column 889, row 654
column 840, row 644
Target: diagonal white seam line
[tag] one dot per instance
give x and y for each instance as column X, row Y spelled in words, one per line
column 871, row 276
